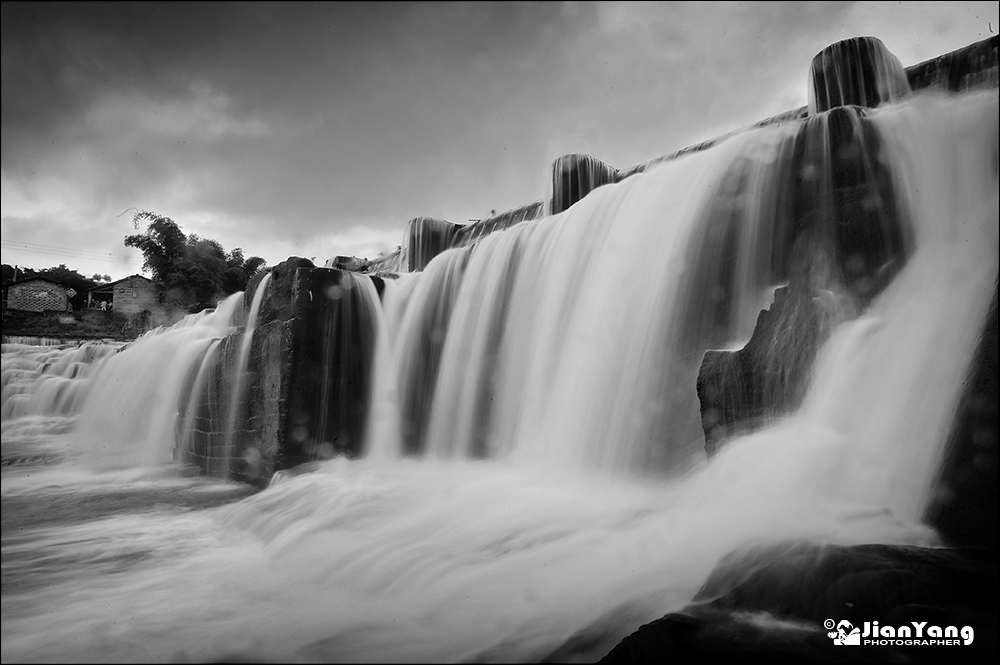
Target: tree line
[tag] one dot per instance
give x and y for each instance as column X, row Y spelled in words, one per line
column 193, row 273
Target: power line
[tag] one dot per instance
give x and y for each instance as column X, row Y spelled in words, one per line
column 16, row 244
column 54, row 250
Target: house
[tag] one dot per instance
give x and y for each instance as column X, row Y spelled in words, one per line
column 37, row 294
column 132, row 295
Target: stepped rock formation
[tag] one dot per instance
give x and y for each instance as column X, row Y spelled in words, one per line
column 834, row 256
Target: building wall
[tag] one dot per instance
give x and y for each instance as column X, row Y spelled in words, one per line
column 37, row 296
column 135, row 294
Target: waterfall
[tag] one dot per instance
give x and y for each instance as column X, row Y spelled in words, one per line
column 130, row 415
column 187, row 425
column 573, row 341
column 890, row 381
column 236, row 398
column 538, row 342
column 44, row 385
column 533, row 483
column 858, row 71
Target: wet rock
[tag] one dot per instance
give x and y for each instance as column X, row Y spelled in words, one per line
column 278, row 305
column 746, row 390
column 770, row 603
column 426, row 237
column 351, row 263
column 305, row 388
column 964, row 507
column 253, row 449
column 391, row 263
column 575, row 176
column 859, row 71
column 333, row 345
column 974, row 66
column 839, row 238
column 473, row 233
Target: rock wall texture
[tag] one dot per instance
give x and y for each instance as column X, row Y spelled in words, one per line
column 304, row 393
column 309, row 361
column 770, row 604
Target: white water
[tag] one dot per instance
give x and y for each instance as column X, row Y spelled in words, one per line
column 543, row 323
column 572, row 527
column 249, row 327
column 132, row 407
column 842, row 68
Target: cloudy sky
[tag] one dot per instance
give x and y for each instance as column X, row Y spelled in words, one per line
column 319, row 129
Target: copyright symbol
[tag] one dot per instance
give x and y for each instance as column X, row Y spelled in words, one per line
column 829, row 623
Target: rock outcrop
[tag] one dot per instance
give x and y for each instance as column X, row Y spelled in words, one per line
column 780, row 604
column 306, row 386
column 964, row 507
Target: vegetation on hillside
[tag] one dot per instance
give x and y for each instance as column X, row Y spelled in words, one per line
column 192, row 272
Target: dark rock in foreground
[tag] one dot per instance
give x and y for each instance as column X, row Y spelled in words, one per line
column 742, row 391
column 770, row 604
column 964, row 506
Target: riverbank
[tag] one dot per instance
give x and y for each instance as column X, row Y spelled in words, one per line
column 80, row 325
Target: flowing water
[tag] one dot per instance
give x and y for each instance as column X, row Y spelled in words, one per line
column 241, row 364
column 534, row 482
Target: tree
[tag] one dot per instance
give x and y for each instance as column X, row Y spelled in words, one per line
column 162, row 245
column 240, row 269
column 193, row 272
column 11, row 273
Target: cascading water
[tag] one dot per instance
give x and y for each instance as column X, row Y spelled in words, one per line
column 241, row 364
column 533, row 483
column 858, row 71
column 131, row 409
column 889, row 383
column 43, row 389
column 187, row 421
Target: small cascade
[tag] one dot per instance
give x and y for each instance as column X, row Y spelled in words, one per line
column 238, row 372
column 130, row 415
column 334, row 341
column 575, row 176
column 190, row 402
column 384, row 437
column 44, row 386
column 424, row 238
column 410, row 367
column 860, row 71
column 45, row 379
column 28, row 340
